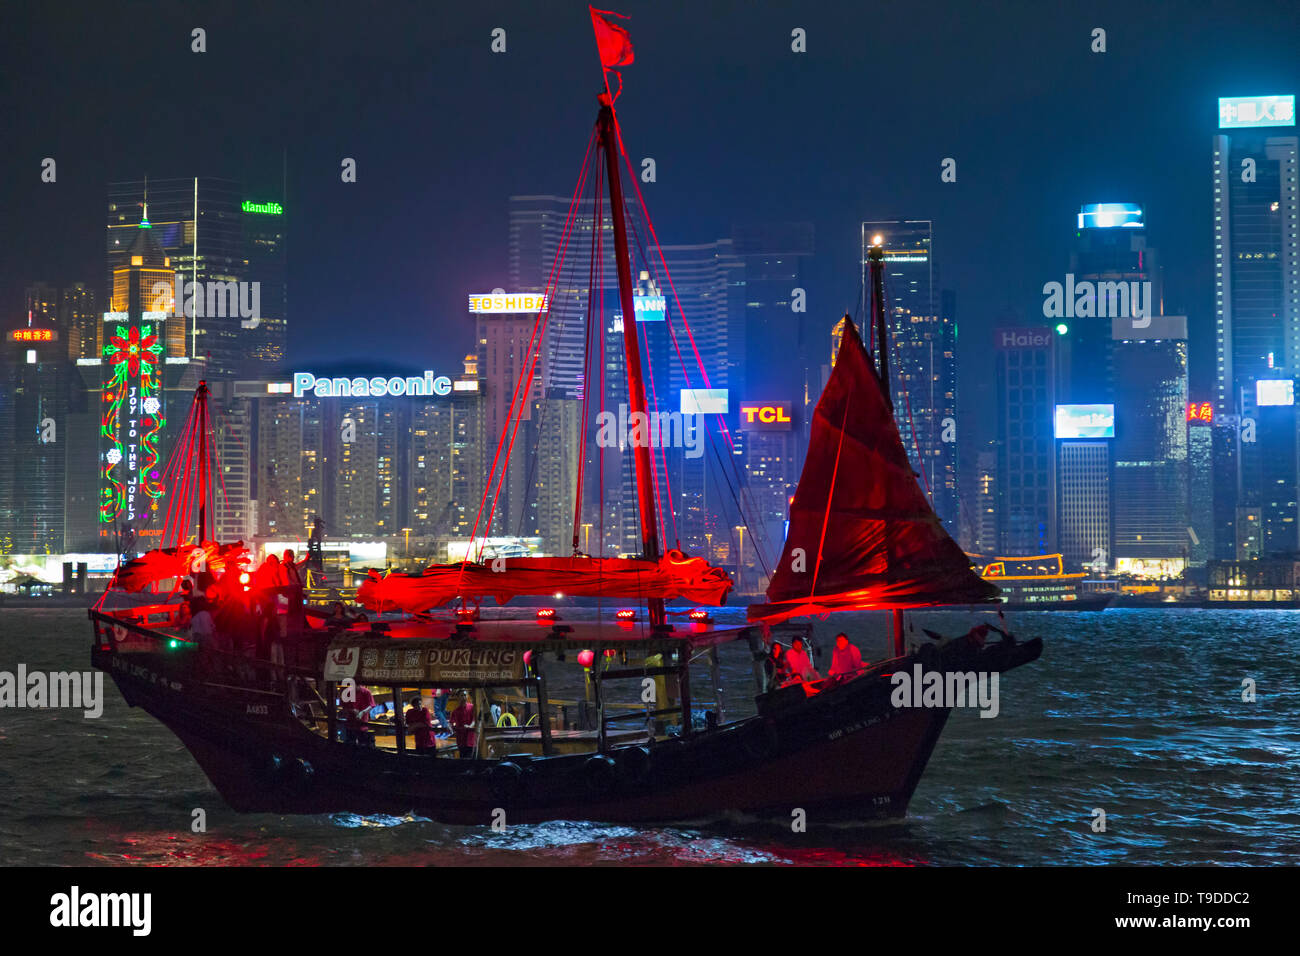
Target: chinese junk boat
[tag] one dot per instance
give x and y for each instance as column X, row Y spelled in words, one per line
column 291, row 709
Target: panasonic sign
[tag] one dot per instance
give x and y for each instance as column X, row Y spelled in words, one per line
column 377, row 387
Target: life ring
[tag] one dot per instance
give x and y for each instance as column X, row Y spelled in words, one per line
column 634, row 766
column 299, row 775
column 506, row 779
column 269, row 768
column 758, row 740
column 599, row 773
column 928, row 655
column 507, row 719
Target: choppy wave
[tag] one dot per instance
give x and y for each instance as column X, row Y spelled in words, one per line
column 1136, row 713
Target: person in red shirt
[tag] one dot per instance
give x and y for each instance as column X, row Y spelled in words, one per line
column 462, row 725
column 846, row 659
column 419, row 720
column 356, row 717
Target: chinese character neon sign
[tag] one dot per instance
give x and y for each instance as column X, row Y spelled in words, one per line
column 1200, row 412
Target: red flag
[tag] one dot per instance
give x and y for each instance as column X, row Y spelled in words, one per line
column 612, row 40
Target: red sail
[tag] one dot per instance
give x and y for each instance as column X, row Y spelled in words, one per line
column 672, row 576
column 862, row 534
column 162, row 564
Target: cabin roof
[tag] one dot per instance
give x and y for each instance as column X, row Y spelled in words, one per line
column 549, row 633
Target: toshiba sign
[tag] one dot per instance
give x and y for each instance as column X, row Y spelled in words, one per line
column 1039, row 337
column 766, row 416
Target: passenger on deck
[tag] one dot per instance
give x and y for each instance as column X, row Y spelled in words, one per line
column 462, row 724
column 419, row 720
column 296, row 616
column 440, row 697
column 799, row 663
column 775, row 667
column 846, row 659
column 356, row 718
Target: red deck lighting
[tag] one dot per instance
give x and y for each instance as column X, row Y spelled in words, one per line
column 627, row 614
column 546, row 614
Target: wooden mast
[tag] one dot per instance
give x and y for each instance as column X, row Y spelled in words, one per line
column 202, row 397
column 635, row 382
column 876, row 263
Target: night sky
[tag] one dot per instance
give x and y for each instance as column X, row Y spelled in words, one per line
column 742, row 130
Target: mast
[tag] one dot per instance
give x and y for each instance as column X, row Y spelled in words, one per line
column 876, row 263
column 202, row 397
column 635, row 383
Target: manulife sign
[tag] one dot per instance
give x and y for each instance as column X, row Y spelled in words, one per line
column 263, row 208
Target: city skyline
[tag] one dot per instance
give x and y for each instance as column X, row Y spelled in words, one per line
column 388, row 233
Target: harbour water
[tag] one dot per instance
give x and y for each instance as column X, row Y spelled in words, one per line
column 1135, row 712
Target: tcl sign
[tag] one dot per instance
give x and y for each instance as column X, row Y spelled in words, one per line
column 766, row 416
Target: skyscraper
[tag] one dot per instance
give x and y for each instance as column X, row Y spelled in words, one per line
column 213, row 233
column 36, row 388
column 1256, row 247
column 1026, row 388
column 1084, row 522
column 1110, row 253
column 1150, row 448
column 923, row 362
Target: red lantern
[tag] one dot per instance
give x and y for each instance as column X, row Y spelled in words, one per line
column 586, row 659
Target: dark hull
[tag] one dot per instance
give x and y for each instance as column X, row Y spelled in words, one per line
column 844, row 754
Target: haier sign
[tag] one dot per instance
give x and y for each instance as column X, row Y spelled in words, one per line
column 1039, row 337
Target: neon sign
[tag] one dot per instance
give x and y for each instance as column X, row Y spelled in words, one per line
column 1085, row 421
column 34, row 335
column 1108, row 215
column 360, row 386
column 1200, row 412
column 131, row 421
column 503, row 302
column 263, row 208
column 1275, row 391
column 1246, row 111
column 766, row 416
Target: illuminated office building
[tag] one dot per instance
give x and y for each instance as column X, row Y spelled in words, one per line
column 1111, row 255
column 446, row 467
column 1084, row 522
column 1026, row 360
column 214, row 234
column 1200, row 483
column 1150, row 485
column 1256, row 245
column 143, row 373
column 923, row 363
column 36, row 395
